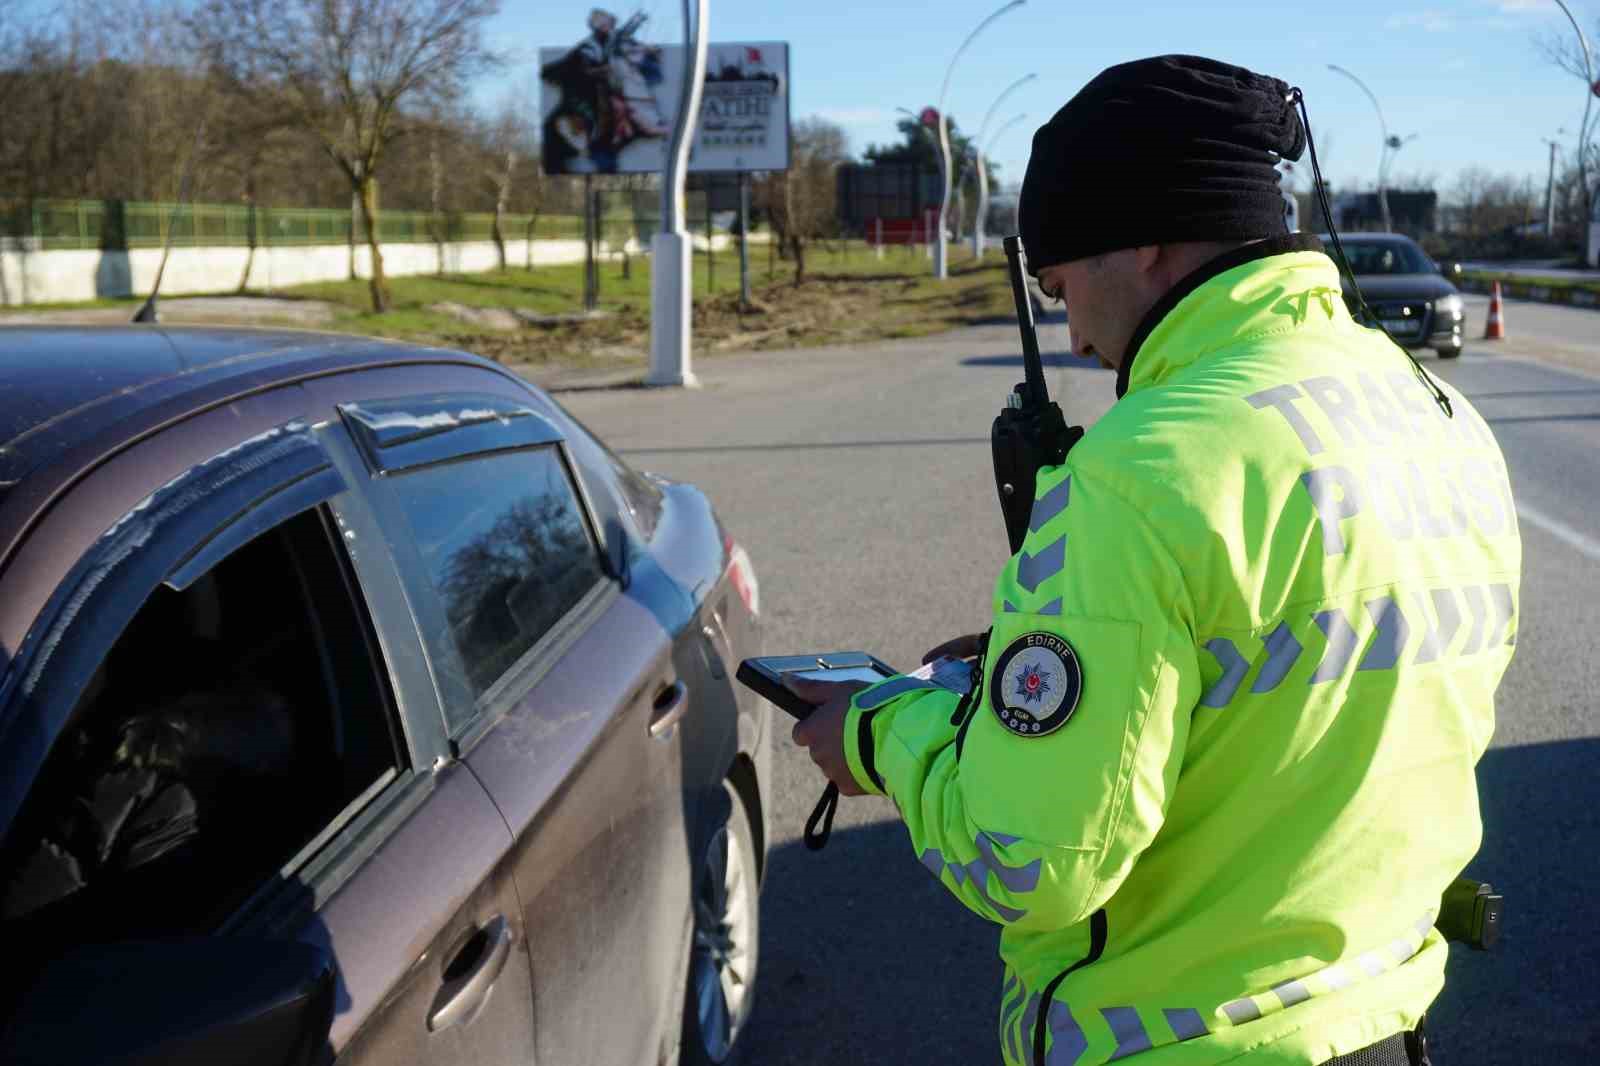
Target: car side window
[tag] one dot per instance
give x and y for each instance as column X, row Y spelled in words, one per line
column 230, row 724
column 508, row 547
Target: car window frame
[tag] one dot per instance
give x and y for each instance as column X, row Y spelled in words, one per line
column 265, row 481
column 426, row 605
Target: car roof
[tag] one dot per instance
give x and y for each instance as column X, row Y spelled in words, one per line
column 74, row 394
column 1369, row 238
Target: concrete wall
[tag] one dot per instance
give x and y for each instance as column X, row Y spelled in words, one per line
column 30, row 276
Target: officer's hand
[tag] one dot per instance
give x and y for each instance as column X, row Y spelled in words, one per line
column 823, row 730
column 959, row 648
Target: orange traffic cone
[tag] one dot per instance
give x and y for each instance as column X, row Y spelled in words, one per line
column 1495, row 330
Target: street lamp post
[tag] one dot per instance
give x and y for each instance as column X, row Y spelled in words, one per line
column 983, row 178
column 940, row 256
column 1550, row 187
column 1394, row 144
column 671, row 280
column 1591, row 90
column 1383, row 193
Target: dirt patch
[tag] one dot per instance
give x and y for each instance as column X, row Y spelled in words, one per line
column 827, row 309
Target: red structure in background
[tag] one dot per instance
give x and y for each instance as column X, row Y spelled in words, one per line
column 918, row 230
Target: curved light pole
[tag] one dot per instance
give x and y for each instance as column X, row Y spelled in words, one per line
column 1591, row 90
column 983, row 179
column 1383, row 194
column 1394, row 144
column 940, row 255
column 671, row 279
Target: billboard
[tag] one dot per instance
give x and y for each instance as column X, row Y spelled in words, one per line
column 608, row 103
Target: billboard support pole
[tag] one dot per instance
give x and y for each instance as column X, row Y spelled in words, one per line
column 671, row 278
column 744, row 239
column 588, row 243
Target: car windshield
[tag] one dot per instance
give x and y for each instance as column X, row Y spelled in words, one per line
column 1386, row 257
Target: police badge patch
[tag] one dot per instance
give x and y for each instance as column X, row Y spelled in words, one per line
column 1035, row 685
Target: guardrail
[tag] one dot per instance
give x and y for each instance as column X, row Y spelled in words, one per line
column 49, row 225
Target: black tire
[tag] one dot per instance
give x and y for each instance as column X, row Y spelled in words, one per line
column 727, row 935
column 1449, row 353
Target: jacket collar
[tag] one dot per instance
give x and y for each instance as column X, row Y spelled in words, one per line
column 1225, row 308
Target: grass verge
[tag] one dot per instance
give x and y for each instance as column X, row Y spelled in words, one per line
column 1551, row 289
column 849, row 295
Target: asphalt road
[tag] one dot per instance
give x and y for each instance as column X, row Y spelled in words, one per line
column 859, row 481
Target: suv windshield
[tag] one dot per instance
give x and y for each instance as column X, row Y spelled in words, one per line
column 1385, row 257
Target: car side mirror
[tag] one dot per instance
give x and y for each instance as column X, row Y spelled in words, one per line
column 177, row 1003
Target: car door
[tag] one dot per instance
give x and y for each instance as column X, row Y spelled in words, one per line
column 559, row 693
column 256, row 755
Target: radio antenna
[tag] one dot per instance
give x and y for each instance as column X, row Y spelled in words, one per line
column 147, row 312
column 1032, row 366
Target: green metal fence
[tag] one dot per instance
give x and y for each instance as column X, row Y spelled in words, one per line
column 120, row 224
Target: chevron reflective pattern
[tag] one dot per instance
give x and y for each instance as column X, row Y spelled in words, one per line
column 1234, row 667
column 1135, row 1029
column 1049, row 506
column 1034, row 570
column 1397, row 631
column 1016, row 879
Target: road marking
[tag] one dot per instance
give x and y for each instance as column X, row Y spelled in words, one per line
column 1561, row 531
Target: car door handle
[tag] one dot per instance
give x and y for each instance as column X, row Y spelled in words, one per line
column 671, row 703
column 470, row 976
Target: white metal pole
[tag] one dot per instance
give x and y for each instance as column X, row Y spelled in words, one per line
column 671, row 275
column 1383, row 195
column 1592, row 88
column 983, row 175
column 940, row 265
column 877, row 234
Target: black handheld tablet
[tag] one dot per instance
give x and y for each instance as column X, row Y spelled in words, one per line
column 765, row 674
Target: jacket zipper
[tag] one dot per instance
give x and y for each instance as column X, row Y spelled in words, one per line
column 1097, row 945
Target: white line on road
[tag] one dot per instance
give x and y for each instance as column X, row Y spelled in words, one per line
column 1561, row 531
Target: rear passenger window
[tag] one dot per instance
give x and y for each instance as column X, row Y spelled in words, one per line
column 228, row 727
column 508, row 549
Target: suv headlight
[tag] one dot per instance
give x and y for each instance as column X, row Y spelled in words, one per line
column 1450, row 305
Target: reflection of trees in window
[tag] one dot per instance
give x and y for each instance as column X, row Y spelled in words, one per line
column 507, row 586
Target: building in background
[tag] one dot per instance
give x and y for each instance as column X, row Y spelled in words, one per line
column 1413, row 212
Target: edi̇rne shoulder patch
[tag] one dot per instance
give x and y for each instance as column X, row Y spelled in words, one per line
column 1035, row 684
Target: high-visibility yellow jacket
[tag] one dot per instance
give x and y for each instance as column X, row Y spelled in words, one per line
column 1219, row 767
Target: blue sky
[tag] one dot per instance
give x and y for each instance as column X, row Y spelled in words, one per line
column 1466, row 76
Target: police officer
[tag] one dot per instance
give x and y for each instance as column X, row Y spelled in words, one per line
column 1218, row 767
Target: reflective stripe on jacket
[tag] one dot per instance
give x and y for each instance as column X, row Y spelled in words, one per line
column 1279, row 588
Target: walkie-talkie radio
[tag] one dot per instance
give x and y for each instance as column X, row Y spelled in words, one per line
column 1030, row 432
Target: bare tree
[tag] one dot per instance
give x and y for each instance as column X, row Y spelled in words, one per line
column 344, row 71
column 1562, row 49
column 509, row 140
column 802, row 202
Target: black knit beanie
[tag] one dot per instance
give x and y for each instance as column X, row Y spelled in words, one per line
column 1173, row 148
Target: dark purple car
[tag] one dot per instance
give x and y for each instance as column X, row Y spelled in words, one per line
column 357, row 703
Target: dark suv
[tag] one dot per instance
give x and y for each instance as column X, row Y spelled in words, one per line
column 357, row 703
column 1418, row 305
